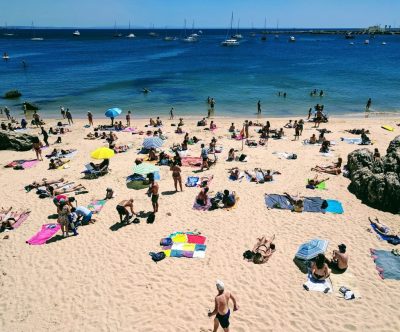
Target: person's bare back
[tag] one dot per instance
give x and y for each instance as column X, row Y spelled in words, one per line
column 222, row 302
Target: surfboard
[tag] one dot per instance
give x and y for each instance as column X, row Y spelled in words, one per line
column 388, row 128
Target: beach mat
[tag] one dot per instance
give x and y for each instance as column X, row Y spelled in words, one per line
column 391, row 239
column 351, row 140
column 192, row 181
column 313, row 204
column 97, row 205
column 20, row 220
column 388, row 265
column 186, row 245
column 29, row 163
column 275, row 201
column 321, row 186
column 46, row 233
column 318, row 285
column 334, row 206
column 199, row 207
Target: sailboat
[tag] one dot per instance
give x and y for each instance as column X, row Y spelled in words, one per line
column 152, row 33
column 192, row 38
column 76, row 33
column 237, row 35
column 277, row 29
column 292, row 39
column 34, row 38
column 264, row 32
column 116, row 33
column 130, row 35
column 252, row 33
column 168, row 38
column 6, row 33
column 230, row 41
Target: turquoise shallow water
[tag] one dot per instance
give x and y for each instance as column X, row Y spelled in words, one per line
column 96, row 71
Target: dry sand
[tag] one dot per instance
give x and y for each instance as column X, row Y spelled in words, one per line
column 105, row 280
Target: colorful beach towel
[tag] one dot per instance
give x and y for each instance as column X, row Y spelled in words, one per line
column 318, row 285
column 321, row 186
column 20, row 220
column 47, row 231
column 22, row 164
column 387, row 264
column 97, row 205
column 186, row 244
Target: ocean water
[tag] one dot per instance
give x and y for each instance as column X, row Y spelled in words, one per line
column 96, row 71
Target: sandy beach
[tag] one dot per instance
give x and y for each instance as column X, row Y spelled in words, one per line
column 105, row 280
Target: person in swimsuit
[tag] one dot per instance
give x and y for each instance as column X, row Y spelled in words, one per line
column 176, row 175
column 298, row 204
column 319, row 269
column 37, row 146
column 334, row 169
column 231, row 155
column 340, row 259
column 63, row 219
column 204, row 157
column 313, row 183
column 153, row 192
column 263, row 250
column 383, row 229
column 123, row 212
column 234, row 173
column 202, row 197
column 221, row 308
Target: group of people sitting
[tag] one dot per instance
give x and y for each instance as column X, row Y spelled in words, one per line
column 156, row 123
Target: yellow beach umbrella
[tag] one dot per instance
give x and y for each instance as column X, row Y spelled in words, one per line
column 102, row 153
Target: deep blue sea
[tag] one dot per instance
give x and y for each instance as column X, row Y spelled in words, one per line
column 96, row 71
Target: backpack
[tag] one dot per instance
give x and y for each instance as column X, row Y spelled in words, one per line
column 248, row 254
column 242, row 157
column 157, row 256
column 166, row 242
column 324, row 205
column 151, row 218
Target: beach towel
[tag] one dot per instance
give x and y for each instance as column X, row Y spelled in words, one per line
column 321, row 186
column 186, row 244
column 192, row 181
column 129, row 130
column 285, row 155
column 97, row 205
column 312, row 204
column 191, row 161
column 46, row 232
column 334, row 206
column 351, row 140
column 29, row 163
column 387, row 264
column 348, row 280
column 318, row 285
column 391, row 239
column 199, row 207
column 240, row 177
column 259, row 176
column 275, row 201
column 20, row 220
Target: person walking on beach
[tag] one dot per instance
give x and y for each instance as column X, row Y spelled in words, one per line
column 128, row 119
column 221, row 308
column 259, row 107
column 212, row 103
column 153, row 192
column 62, row 111
column 69, row 116
column 90, row 118
column 369, row 103
column 204, row 157
column 171, row 113
column 36, row 118
column 45, row 136
column 246, row 129
column 309, row 113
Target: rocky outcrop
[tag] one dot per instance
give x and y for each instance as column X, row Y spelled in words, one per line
column 12, row 94
column 10, row 140
column 376, row 183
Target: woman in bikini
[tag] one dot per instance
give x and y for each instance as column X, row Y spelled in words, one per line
column 335, row 169
column 202, row 197
column 176, row 175
column 319, row 269
column 37, row 146
column 263, row 250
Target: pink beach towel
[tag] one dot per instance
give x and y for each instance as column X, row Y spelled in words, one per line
column 21, row 219
column 44, row 234
column 191, row 161
column 199, row 207
column 129, row 130
column 29, row 163
column 197, row 239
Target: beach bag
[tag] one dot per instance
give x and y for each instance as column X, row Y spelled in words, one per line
column 324, row 205
column 136, row 221
column 165, row 242
column 248, row 254
column 242, row 157
column 157, row 256
column 293, row 156
column 151, row 218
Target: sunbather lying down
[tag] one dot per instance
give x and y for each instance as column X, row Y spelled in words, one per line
column 234, row 173
column 260, row 176
column 44, row 182
column 335, row 168
column 69, row 188
column 313, row 183
column 298, row 204
column 8, row 218
column 262, row 251
column 57, row 162
column 381, row 228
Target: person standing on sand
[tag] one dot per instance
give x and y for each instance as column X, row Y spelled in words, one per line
column 45, row 136
column 62, row 110
column 259, row 107
column 128, row 119
column 176, row 175
column 153, row 192
column 246, row 129
column 37, row 146
column 369, row 103
column 171, row 113
column 90, row 118
column 68, row 115
column 221, row 309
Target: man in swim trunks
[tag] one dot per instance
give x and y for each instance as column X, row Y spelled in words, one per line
column 122, row 209
column 340, row 259
column 221, row 309
column 153, row 192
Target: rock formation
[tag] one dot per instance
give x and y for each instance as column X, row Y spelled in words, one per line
column 10, row 140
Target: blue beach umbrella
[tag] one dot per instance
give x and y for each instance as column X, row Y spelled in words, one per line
column 152, row 142
column 311, row 249
column 113, row 112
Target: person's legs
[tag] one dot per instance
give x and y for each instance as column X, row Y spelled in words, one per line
column 176, row 183
column 180, row 183
column 216, row 325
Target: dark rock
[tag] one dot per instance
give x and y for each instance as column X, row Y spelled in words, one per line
column 376, row 183
column 29, row 106
column 10, row 140
column 12, row 94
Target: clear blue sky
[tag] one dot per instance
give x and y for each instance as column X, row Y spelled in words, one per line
column 205, row 13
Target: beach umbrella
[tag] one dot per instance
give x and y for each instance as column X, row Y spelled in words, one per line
column 311, row 249
column 102, row 153
column 145, row 168
column 152, row 142
column 113, row 112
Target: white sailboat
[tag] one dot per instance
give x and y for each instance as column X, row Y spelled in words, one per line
column 7, row 33
column 264, row 32
column 252, row 33
column 152, row 33
column 292, row 39
column 192, row 38
column 168, row 38
column 34, row 38
column 131, row 34
column 230, row 41
column 116, row 33
column 76, row 33
column 237, row 35
column 6, row 57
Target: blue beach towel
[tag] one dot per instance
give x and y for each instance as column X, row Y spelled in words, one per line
column 391, row 239
column 389, row 263
column 351, row 140
column 313, row 204
column 275, row 201
column 192, row 181
column 334, row 206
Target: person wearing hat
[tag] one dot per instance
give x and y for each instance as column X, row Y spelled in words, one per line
column 340, row 259
column 221, row 309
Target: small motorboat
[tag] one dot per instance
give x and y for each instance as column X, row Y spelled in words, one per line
column 230, row 42
column 76, row 33
column 351, row 43
column 6, row 57
column 383, row 43
column 292, row 39
column 237, row 36
column 366, row 41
